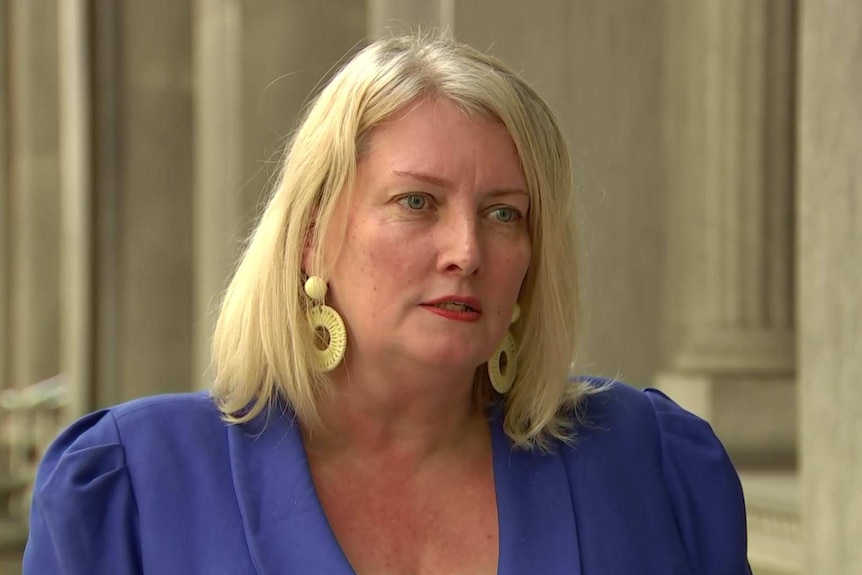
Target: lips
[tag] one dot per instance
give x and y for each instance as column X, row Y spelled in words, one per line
column 455, row 309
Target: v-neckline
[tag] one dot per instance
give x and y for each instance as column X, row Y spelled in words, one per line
column 287, row 529
column 535, row 511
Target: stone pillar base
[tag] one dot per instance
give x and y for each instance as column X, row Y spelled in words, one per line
column 754, row 415
column 775, row 537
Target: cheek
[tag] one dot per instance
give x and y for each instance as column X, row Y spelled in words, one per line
column 515, row 263
column 383, row 261
column 504, row 281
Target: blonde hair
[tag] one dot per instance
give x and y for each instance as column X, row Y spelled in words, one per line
column 263, row 346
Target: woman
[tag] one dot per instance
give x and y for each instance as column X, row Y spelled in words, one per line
column 366, row 417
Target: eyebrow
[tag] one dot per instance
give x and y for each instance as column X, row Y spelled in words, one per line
column 444, row 183
column 427, row 178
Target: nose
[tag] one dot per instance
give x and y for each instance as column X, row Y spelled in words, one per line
column 460, row 249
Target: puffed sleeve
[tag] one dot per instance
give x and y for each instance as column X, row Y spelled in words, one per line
column 83, row 518
column 704, row 490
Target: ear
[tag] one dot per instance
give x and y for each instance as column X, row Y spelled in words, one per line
column 313, row 252
column 308, row 252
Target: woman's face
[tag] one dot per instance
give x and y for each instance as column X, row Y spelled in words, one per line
column 437, row 242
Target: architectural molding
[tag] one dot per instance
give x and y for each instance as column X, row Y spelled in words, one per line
column 736, row 350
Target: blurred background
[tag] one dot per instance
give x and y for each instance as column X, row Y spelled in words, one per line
column 717, row 151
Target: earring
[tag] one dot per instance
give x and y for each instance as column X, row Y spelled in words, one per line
column 504, row 363
column 327, row 325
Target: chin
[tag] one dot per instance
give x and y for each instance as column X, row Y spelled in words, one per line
column 452, row 357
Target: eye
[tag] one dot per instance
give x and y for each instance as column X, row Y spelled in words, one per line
column 414, row 201
column 506, row 215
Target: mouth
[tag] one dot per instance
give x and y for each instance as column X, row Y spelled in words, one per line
column 456, row 304
column 453, row 310
column 453, row 306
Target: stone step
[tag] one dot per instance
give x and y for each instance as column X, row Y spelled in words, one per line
column 14, row 483
column 774, row 526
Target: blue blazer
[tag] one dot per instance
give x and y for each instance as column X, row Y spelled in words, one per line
column 162, row 486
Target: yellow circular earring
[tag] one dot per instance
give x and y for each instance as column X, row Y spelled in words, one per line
column 328, row 327
column 503, row 365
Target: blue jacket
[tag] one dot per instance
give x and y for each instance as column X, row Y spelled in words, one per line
column 162, row 486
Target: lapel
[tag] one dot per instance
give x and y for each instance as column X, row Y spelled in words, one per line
column 537, row 526
column 286, row 529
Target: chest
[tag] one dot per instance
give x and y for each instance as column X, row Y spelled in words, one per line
column 390, row 525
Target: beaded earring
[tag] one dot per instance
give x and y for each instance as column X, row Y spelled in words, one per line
column 503, row 365
column 328, row 327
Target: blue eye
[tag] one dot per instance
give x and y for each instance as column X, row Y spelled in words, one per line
column 414, row 201
column 505, row 215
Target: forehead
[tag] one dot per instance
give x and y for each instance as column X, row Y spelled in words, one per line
column 436, row 136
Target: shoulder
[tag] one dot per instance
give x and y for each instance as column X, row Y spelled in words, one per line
column 98, row 444
column 115, row 473
column 610, row 414
column 645, row 436
column 655, row 430
column 618, row 412
column 85, row 513
column 652, row 424
column 195, row 407
column 176, row 415
column 609, row 402
column 101, row 437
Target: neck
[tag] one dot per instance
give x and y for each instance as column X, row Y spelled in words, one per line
column 413, row 415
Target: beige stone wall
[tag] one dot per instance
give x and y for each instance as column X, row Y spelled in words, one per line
column 153, row 203
column 830, row 284
column 598, row 64
column 190, row 104
column 716, row 153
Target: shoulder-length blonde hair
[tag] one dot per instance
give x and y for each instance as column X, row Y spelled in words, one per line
column 263, row 346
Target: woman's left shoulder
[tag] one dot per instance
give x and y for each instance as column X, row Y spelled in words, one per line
column 615, row 411
column 647, row 433
column 684, row 444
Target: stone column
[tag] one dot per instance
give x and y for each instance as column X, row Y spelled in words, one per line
column 5, row 266
column 287, row 48
column 76, row 325
column 218, row 164
column 34, row 215
column 830, row 284
column 728, row 108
